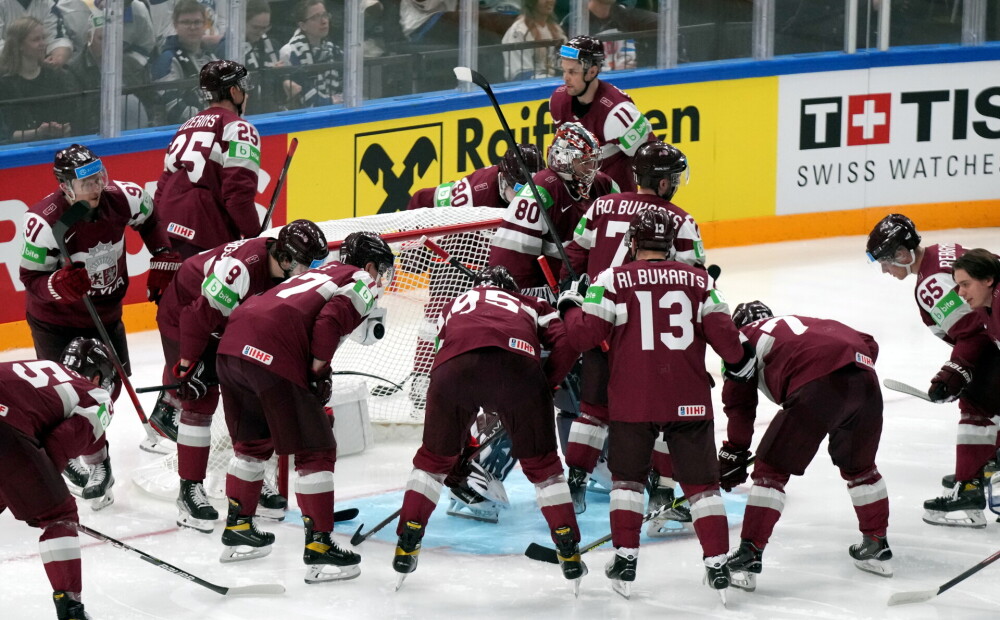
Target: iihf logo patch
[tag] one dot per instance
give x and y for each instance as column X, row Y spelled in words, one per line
column 864, row 360
column 520, row 345
column 3, row 411
column 689, row 411
column 181, row 231
column 256, row 354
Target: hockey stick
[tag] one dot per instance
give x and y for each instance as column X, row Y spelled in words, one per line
column 73, row 215
column 359, row 538
column 174, row 386
column 465, row 74
column 905, row 598
column 554, row 286
column 899, row 386
column 448, row 258
column 277, row 186
column 347, row 514
column 263, row 588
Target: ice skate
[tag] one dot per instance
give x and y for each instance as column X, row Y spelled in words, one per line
column 466, row 503
column 662, row 497
column 271, row 505
column 989, row 469
column 325, row 560
column 98, row 488
column 577, row 481
column 745, row 563
column 76, row 475
column 68, row 608
column 242, row 539
column 407, row 551
column 621, row 570
column 568, row 553
column 873, row 555
column 165, row 417
column 717, row 574
column 961, row 507
column 193, row 508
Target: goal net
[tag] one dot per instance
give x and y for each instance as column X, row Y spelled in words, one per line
column 395, row 369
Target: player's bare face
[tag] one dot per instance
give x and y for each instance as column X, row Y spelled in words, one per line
column 572, row 72
column 898, row 265
column 89, row 189
column 976, row 293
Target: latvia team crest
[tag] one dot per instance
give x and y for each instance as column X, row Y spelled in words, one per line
column 102, row 265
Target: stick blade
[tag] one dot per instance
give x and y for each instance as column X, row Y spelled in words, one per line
column 541, row 554
column 256, row 590
column 463, row 74
column 347, row 514
column 357, row 539
column 905, row 598
column 899, row 386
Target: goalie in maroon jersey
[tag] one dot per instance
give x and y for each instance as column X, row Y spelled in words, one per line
column 970, row 375
column 494, row 331
column 657, row 316
column 822, row 373
column 49, row 414
column 191, row 317
column 274, row 368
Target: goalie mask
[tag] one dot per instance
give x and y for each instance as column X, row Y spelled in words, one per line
column 80, row 174
column 302, row 244
column 893, row 233
column 361, row 248
column 90, row 358
column 497, row 276
column 511, row 177
column 749, row 312
column 658, row 160
column 575, row 155
column 651, row 229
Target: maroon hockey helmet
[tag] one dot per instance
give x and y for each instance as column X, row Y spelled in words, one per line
column 892, row 232
column 363, row 247
column 90, row 357
column 301, row 242
column 658, row 160
column 510, row 171
column 588, row 50
column 652, row 229
column 76, row 162
column 497, row 276
column 749, row 312
column 218, row 76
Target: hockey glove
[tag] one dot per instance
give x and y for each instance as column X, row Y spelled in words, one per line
column 572, row 293
column 949, row 383
column 69, row 284
column 744, row 370
column 192, row 381
column 733, row 464
column 162, row 268
column 321, row 383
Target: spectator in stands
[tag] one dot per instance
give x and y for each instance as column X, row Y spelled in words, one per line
column 310, row 45
column 74, row 23
column 609, row 18
column 536, row 23
column 24, row 74
column 162, row 14
column 58, row 47
column 182, row 57
column 261, row 55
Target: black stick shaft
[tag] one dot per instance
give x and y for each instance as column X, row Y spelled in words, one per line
column 280, row 182
column 970, row 572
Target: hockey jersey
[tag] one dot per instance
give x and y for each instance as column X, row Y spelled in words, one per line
column 486, row 316
column 206, row 290
column 791, row 352
column 598, row 239
column 479, row 189
column 64, row 412
column 206, row 191
column 302, row 318
column 618, row 124
column 97, row 241
column 657, row 317
column 523, row 236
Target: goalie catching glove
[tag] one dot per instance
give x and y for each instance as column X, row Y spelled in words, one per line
column 949, row 383
column 162, row 268
column 571, row 293
column 733, row 464
column 192, row 381
column 744, row 370
column 321, row 383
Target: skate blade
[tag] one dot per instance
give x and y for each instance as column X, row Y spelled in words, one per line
column 73, row 489
column 624, row 588
column 274, row 514
column 475, row 515
column 722, row 595
column 666, row 528
column 576, row 587
column 399, row 581
column 241, row 553
column 100, row 503
column 204, row 526
column 743, row 580
column 157, row 446
column 881, row 568
column 324, row 573
column 969, row 518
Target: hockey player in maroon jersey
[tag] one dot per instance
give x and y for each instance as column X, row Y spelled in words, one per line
column 274, row 367
column 50, row 413
column 968, row 376
column 492, row 186
column 822, row 374
column 659, row 170
column 54, row 291
column 604, row 110
column 567, row 187
column 191, row 317
column 206, row 192
column 494, row 331
column 657, row 316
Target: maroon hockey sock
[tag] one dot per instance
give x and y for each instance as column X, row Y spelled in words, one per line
column 192, row 461
column 60, row 551
column 247, row 493
column 319, row 506
column 626, row 516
